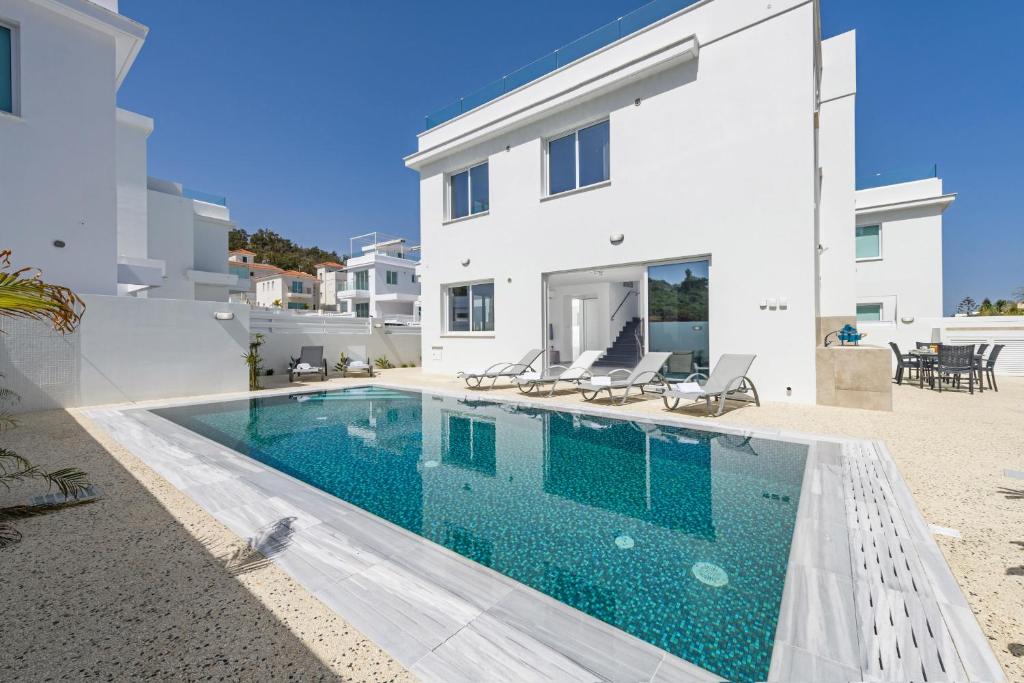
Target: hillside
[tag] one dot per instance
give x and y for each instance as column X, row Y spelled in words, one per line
column 281, row 251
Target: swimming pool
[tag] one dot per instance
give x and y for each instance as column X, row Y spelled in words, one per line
column 678, row 537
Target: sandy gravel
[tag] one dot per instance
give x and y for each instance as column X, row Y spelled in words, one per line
column 135, row 585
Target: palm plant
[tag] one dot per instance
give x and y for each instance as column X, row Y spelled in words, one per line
column 28, row 296
column 255, row 362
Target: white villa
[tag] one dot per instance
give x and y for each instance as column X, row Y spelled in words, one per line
column 241, row 263
column 380, row 282
column 288, row 289
column 76, row 200
column 689, row 186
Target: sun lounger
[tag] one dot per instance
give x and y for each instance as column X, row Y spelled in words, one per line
column 579, row 370
column 646, row 374
column 728, row 381
column 310, row 362
column 499, row 370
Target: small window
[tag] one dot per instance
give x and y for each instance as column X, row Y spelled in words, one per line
column 6, row 69
column 869, row 313
column 362, row 310
column 391, row 276
column 869, row 242
column 468, row 192
column 362, row 279
column 296, row 287
column 579, row 159
column 471, row 307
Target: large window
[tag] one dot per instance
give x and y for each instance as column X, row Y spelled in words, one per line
column 362, row 279
column 471, row 307
column 6, row 69
column 869, row 312
column 579, row 159
column 468, row 192
column 391, row 276
column 869, row 242
column 362, row 310
column 297, row 287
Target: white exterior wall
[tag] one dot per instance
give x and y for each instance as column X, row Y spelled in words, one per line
column 907, row 279
column 718, row 159
column 133, row 131
column 126, row 349
column 172, row 240
column 384, row 299
column 57, row 175
column 837, row 161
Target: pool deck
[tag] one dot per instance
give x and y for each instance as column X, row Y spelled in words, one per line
column 868, row 593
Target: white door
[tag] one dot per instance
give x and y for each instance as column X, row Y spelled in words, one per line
column 584, row 323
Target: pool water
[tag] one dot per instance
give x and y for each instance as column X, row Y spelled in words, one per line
column 679, row 537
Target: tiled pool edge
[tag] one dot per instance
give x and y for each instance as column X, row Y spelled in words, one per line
column 819, row 605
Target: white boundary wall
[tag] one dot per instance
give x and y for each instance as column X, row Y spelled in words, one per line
column 126, row 349
column 401, row 345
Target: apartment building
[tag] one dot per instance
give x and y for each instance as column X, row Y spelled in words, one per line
column 378, row 281
column 289, row 289
column 241, row 263
column 75, row 197
column 680, row 180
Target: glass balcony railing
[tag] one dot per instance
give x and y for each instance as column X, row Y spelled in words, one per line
column 640, row 18
column 204, row 196
column 241, row 271
column 897, row 175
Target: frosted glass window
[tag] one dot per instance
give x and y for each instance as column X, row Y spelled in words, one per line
column 869, row 242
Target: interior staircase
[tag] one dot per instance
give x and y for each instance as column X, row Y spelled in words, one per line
column 624, row 351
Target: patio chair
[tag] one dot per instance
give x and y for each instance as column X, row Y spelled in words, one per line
column 579, row 370
column 904, row 361
column 727, row 381
column 310, row 362
column 646, row 373
column 499, row 370
column 954, row 361
column 356, row 360
column 990, row 366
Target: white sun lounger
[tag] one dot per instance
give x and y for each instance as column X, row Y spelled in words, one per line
column 646, row 373
column 579, row 370
column 499, row 370
column 728, row 381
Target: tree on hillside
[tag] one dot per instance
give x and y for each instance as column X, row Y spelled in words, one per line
column 272, row 248
column 967, row 306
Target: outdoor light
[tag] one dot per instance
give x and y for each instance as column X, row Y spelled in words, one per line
column 907, row 319
column 616, row 238
column 59, row 244
column 224, row 315
column 465, row 262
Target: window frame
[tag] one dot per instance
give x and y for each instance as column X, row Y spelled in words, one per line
column 861, row 259
column 881, row 311
column 15, row 30
column 449, row 199
column 446, row 330
column 575, row 132
column 355, row 309
column 390, row 275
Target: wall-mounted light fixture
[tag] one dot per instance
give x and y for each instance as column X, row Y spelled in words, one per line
column 224, row 315
column 465, row 262
column 907, row 319
column 616, row 238
column 59, row 244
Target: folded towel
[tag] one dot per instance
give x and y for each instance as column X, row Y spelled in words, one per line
column 688, row 388
column 528, row 377
column 601, row 381
column 354, row 364
column 303, row 366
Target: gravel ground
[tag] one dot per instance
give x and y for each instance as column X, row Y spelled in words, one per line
column 135, row 585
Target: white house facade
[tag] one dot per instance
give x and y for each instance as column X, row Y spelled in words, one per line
column 75, row 198
column 289, row 289
column 380, row 282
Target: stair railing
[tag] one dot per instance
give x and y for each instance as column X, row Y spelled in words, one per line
column 622, row 303
column 638, row 335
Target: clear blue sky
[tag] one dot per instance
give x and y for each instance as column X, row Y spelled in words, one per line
column 300, row 113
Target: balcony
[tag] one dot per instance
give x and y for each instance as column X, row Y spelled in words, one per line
column 347, row 291
column 896, row 176
column 638, row 19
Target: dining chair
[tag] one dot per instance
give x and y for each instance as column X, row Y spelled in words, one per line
column 990, row 366
column 954, row 361
column 904, row 361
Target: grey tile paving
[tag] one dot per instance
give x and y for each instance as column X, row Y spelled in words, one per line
column 868, row 594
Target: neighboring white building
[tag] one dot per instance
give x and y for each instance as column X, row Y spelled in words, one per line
column 289, row 289
column 380, row 282
column 332, row 278
column 75, row 199
column 688, row 187
column 899, row 260
column 241, row 263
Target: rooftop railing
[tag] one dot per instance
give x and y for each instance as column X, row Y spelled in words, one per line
column 638, row 19
column 897, row 175
column 204, row 196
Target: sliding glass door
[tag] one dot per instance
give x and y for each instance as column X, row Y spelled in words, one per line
column 677, row 314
